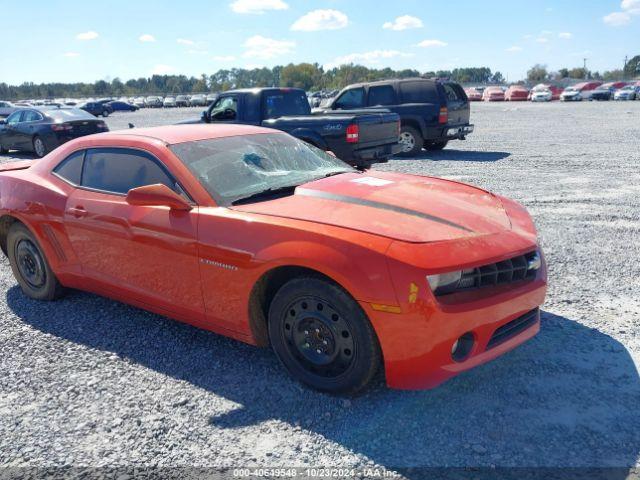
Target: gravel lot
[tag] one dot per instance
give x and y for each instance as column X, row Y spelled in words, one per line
column 90, row 382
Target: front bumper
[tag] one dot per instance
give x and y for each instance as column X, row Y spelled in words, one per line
column 571, row 98
column 458, row 133
column 417, row 345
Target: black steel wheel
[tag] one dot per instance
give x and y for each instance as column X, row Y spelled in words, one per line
column 29, row 265
column 322, row 336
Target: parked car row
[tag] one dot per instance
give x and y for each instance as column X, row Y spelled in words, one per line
column 123, row 103
column 593, row 90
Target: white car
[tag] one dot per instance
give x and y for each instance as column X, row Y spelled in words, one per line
column 169, row 102
column 570, row 94
column 630, row 92
column 541, row 95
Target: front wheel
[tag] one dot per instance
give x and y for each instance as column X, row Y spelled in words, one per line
column 105, row 113
column 410, row 140
column 39, row 147
column 322, row 337
column 29, row 265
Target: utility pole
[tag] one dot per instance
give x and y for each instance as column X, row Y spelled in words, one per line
column 584, row 67
column 624, row 68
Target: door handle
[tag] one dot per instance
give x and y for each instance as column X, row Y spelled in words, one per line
column 77, row 212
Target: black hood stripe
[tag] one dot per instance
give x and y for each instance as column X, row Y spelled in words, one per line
column 374, row 204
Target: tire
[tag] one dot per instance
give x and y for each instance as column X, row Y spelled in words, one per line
column 29, row 265
column 322, row 337
column 3, row 150
column 39, row 147
column 436, row 146
column 105, row 113
column 412, row 140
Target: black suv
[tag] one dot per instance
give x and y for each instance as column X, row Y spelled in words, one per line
column 432, row 112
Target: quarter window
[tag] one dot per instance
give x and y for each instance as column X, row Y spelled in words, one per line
column 382, row 95
column 119, row 170
column 421, row 91
column 71, row 168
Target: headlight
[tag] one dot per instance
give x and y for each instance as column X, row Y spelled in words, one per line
column 443, row 282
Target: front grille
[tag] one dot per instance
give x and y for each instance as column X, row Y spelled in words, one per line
column 522, row 267
column 513, row 328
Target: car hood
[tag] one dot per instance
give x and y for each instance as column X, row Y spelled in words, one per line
column 402, row 207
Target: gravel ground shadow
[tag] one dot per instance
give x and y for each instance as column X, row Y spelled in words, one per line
column 569, row 397
column 458, row 155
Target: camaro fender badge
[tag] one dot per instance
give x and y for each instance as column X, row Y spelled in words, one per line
column 213, row 263
column 413, row 292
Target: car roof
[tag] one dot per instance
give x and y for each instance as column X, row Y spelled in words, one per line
column 395, row 80
column 172, row 134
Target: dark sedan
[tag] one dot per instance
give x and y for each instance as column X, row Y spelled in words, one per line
column 97, row 109
column 118, row 106
column 41, row 129
column 602, row 93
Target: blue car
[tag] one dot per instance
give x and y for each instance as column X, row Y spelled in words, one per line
column 119, row 106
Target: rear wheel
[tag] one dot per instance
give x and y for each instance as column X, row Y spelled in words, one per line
column 29, row 265
column 322, row 336
column 435, row 146
column 411, row 141
column 39, row 147
column 105, row 113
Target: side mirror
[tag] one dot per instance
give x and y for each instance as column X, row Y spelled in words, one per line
column 157, row 195
column 2, row 121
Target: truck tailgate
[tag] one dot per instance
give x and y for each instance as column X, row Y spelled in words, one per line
column 378, row 128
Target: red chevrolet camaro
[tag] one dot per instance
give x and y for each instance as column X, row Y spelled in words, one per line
column 256, row 235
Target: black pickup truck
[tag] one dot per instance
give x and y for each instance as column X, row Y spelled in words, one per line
column 432, row 112
column 358, row 139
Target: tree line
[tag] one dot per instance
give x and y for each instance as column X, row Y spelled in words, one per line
column 540, row 73
column 308, row 76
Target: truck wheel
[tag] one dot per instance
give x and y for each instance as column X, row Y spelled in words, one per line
column 322, row 337
column 435, row 146
column 29, row 265
column 411, row 141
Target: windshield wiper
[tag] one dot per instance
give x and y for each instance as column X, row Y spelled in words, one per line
column 267, row 194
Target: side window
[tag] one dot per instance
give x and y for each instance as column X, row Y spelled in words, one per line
column 423, row 91
column 119, row 170
column 353, row 98
column 31, row 116
column 71, row 168
column 382, row 95
column 14, row 118
column 226, row 108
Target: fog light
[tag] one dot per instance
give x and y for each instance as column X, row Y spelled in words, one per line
column 462, row 347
